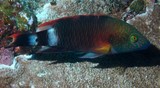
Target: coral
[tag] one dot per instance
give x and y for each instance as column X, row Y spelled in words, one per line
column 15, row 16
column 137, row 6
column 6, row 56
column 10, row 11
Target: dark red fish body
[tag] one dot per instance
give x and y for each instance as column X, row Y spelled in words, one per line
column 81, row 33
column 93, row 33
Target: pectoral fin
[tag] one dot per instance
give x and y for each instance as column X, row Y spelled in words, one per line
column 49, row 49
column 104, row 48
column 91, row 55
column 43, row 49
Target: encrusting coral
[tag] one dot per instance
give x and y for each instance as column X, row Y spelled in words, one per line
column 6, row 56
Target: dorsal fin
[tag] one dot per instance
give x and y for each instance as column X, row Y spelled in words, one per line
column 46, row 25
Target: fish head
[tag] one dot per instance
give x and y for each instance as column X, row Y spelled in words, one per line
column 127, row 38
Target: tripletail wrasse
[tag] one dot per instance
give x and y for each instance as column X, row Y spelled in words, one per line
column 94, row 35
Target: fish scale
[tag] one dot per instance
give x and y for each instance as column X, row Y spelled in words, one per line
column 94, row 35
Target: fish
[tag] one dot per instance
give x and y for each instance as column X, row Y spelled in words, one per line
column 93, row 35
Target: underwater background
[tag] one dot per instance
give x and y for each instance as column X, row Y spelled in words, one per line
column 140, row 69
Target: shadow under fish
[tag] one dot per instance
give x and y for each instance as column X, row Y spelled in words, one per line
column 144, row 58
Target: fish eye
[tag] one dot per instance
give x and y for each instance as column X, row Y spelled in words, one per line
column 133, row 38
